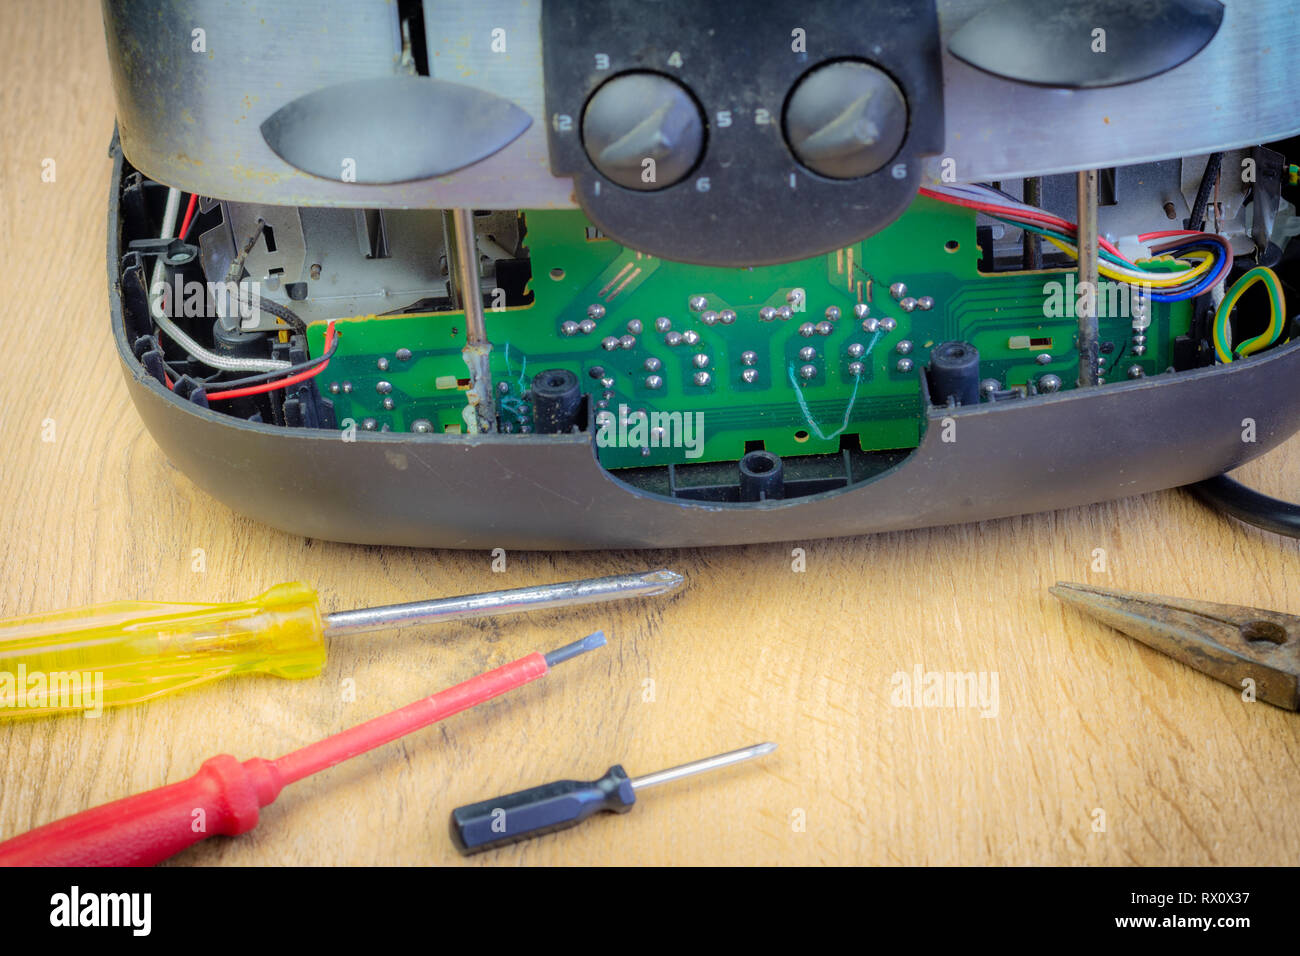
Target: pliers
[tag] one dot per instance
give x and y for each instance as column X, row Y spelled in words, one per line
column 1237, row 645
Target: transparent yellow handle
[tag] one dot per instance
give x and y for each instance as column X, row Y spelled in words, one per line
column 129, row 651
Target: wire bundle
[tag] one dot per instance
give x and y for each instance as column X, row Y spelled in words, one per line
column 1277, row 315
column 1201, row 259
column 269, row 381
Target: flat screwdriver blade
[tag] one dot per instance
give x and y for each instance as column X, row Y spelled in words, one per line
column 569, row 651
column 497, row 603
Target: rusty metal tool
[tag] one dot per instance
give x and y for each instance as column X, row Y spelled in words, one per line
column 1229, row 642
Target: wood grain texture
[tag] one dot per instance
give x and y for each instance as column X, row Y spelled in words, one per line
column 1184, row 771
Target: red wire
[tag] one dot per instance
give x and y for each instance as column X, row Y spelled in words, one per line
column 270, row 386
column 1114, row 250
column 1035, row 216
column 1044, row 218
column 189, row 214
column 1169, row 232
column 167, row 379
column 280, row 383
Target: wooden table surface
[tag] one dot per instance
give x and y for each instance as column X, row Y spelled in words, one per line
column 1098, row 750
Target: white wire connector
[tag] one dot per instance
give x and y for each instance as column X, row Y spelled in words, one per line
column 1132, row 249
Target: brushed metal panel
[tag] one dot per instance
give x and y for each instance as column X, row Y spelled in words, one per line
column 1238, row 91
column 191, row 120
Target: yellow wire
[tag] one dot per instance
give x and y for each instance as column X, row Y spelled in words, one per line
column 1174, row 279
column 1277, row 313
column 1195, row 253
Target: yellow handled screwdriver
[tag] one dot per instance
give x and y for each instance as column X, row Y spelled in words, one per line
column 132, row 651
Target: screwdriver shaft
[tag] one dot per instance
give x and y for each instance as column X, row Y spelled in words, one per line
column 497, row 603
column 150, row 827
column 561, row 804
column 386, row 728
column 701, row 766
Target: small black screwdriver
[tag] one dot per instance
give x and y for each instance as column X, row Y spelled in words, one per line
column 566, row 803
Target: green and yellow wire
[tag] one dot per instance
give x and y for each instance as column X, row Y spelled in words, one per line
column 1120, row 271
column 1277, row 315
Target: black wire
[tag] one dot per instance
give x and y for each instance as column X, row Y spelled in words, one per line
column 1208, row 179
column 1245, row 504
column 194, row 220
column 176, row 374
column 236, row 271
column 286, row 371
column 1114, row 362
column 274, row 308
column 1001, row 192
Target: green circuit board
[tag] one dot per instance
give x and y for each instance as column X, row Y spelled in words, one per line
column 792, row 401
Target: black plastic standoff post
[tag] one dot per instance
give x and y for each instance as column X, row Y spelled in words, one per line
column 557, row 400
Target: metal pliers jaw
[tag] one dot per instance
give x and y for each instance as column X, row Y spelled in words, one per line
column 1229, row 642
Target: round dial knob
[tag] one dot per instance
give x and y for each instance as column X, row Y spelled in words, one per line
column 845, row 119
column 643, row 130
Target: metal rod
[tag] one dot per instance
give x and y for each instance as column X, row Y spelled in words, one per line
column 1086, row 301
column 496, row 603
column 171, row 210
column 701, row 766
column 481, row 409
column 1031, row 242
column 465, row 259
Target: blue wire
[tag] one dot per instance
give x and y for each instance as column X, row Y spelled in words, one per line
column 1207, row 280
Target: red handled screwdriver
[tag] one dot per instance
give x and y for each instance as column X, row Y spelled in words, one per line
column 149, row 827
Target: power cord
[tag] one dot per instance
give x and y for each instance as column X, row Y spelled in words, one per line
column 1246, row 504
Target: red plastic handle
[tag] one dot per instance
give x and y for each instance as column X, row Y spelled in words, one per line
column 223, row 797
column 226, row 795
